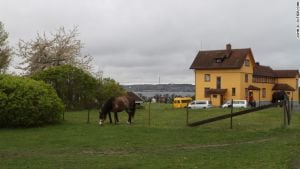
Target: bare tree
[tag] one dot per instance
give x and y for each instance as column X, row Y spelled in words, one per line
column 5, row 50
column 62, row 48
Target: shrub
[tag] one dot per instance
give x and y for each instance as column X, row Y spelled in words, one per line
column 25, row 102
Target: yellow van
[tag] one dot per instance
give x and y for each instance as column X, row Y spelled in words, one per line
column 181, row 102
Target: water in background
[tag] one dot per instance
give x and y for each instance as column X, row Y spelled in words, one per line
column 155, row 93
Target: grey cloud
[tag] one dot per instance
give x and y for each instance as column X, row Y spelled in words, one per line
column 133, row 41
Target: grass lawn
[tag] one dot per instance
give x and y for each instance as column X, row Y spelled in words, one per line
column 257, row 141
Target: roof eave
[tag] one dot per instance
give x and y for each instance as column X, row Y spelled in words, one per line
column 214, row 68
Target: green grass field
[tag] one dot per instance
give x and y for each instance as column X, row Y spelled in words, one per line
column 257, row 141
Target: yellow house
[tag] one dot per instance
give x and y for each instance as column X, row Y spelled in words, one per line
column 222, row 75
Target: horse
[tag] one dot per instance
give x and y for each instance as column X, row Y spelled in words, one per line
column 279, row 96
column 115, row 105
column 283, row 99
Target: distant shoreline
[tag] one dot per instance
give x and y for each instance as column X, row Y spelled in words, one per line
column 160, row 88
column 155, row 93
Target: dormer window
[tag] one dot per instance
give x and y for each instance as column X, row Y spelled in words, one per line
column 218, row 60
column 247, row 62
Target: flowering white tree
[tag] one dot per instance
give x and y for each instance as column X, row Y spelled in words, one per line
column 62, row 48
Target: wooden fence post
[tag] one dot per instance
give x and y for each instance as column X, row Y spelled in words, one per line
column 149, row 107
column 187, row 115
column 88, row 117
column 284, row 113
column 231, row 111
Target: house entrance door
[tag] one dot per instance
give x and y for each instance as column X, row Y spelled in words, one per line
column 221, row 100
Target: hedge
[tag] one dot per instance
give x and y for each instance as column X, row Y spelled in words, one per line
column 25, row 102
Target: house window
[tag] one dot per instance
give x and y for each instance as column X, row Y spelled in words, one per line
column 206, row 92
column 247, row 62
column 233, row 92
column 246, row 78
column 259, row 79
column 264, row 92
column 264, row 79
column 218, row 83
column 218, row 60
column 207, row 77
column 254, row 79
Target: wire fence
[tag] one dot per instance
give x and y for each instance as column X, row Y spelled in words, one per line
column 295, row 106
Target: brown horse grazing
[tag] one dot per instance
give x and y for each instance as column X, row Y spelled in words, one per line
column 279, row 96
column 283, row 99
column 115, row 105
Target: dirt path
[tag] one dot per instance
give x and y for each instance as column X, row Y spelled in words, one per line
column 126, row 151
column 296, row 163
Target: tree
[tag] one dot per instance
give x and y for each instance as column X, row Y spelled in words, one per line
column 108, row 88
column 5, row 50
column 74, row 86
column 62, row 48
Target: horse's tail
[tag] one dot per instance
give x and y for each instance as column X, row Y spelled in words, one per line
column 133, row 108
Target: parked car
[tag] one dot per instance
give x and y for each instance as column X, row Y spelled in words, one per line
column 200, row 104
column 236, row 104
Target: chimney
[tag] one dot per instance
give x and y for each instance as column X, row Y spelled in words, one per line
column 228, row 47
column 257, row 63
column 228, row 50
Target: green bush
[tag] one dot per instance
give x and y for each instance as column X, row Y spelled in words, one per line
column 75, row 87
column 25, row 102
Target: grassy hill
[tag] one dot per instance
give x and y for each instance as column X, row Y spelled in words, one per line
column 257, row 140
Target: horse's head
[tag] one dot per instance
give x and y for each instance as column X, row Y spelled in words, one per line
column 106, row 108
column 102, row 116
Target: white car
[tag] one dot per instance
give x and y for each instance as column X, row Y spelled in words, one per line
column 236, row 104
column 200, row 104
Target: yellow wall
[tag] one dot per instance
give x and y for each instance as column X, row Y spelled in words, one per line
column 269, row 92
column 230, row 78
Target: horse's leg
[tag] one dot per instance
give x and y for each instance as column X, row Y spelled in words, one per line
column 110, row 120
column 129, row 116
column 132, row 112
column 116, row 117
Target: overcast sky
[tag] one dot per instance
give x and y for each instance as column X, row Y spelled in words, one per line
column 136, row 41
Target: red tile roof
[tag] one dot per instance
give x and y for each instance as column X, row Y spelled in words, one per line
column 216, row 91
column 251, row 87
column 230, row 60
column 283, row 86
column 286, row 73
column 267, row 71
column 136, row 97
column 261, row 70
